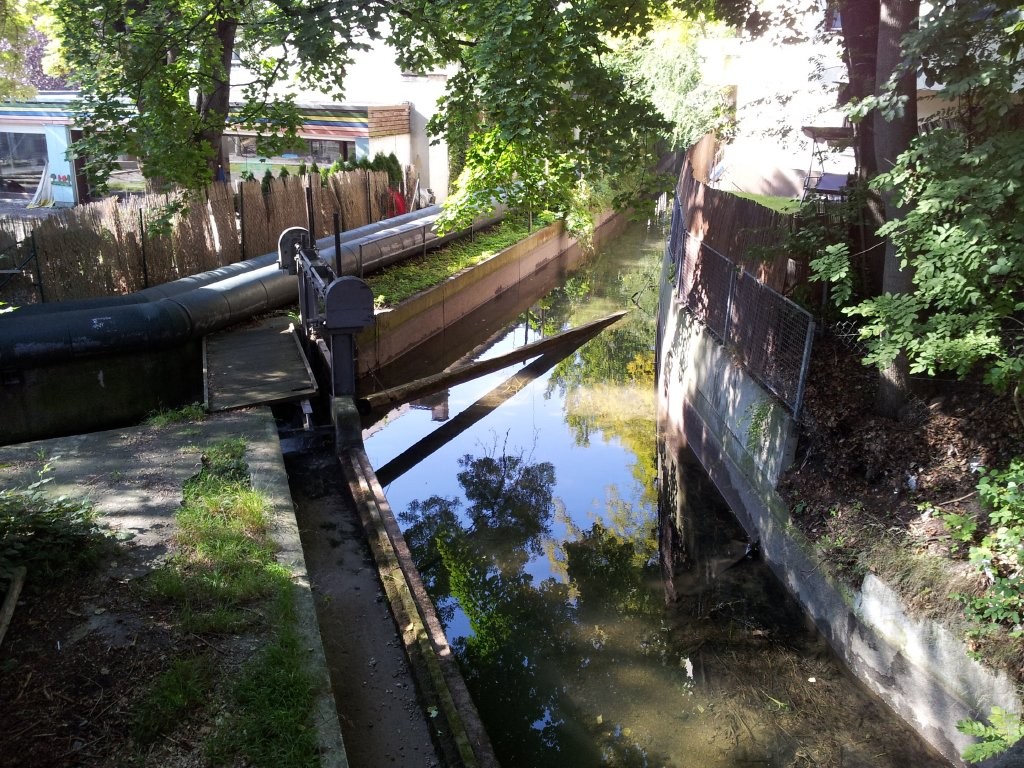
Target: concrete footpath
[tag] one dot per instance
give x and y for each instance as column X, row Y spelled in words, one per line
column 134, row 477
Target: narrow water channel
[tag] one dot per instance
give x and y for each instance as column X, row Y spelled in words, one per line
column 535, row 529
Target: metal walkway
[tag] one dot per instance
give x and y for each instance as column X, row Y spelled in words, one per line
column 257, row 364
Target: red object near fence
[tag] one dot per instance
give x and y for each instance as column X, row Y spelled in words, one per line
column 396, row 205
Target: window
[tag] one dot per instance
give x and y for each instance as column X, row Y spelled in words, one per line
column 833, row 21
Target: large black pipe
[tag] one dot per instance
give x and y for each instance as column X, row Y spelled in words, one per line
column 49, row 338
column 171, row 315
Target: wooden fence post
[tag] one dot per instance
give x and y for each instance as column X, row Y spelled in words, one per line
column 39, row 267
column 369, row 203
column 142, row 244
column 241, row 219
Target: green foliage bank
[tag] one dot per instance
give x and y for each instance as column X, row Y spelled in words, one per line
column 962, row 233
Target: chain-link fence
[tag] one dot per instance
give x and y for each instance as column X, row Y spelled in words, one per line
column 767, row 332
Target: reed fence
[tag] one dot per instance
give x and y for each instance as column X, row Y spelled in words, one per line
column 114, row 246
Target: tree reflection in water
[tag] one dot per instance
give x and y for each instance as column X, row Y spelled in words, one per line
column 531, row 643
column 539, row 651
column 571, row 654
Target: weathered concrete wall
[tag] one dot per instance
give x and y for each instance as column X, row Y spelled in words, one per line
column 428, row 313
column 918, row 668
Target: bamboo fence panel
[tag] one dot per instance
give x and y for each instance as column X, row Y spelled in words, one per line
column 332, row 204
column 131, row 275
column 255, row 226
column 103, row 226
column 286, row 207
column 75, row 250
column 193, row 240
column 48, row 234
column 14, row 231
column 353, row 200
column 111, row 246
column 380, row 197
column 221, row 195
column 203, row 222
column 350, row 203
column 158, row 243
column 16, row 251
column 360, row 193
column 324, row 206
column 352, row 193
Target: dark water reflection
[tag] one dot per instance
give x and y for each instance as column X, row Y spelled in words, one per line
column 537, row 535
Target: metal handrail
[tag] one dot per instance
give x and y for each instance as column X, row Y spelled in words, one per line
column 770, row 333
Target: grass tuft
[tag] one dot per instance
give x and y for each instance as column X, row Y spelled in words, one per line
column 173, row 696
column 774, row 202
column 269, row 724
column 183, row 415
column 223, row 579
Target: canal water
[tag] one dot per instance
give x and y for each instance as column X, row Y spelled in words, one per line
column 535, row 528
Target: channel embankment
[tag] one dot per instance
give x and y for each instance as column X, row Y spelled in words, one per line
column 364, row 615
column 744, row 439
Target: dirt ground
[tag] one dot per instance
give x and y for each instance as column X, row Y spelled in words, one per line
column 75, row 661
column 861, row 480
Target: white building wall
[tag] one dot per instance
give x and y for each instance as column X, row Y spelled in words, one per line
column 779, row 88
column 374, row 79
column 59, row 168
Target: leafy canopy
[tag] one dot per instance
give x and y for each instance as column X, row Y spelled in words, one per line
column 155, row 76
column 536, row 100
column 963, row 232
column 532, row 96
column 20, row 47
column 666, row 66
column 528, row 83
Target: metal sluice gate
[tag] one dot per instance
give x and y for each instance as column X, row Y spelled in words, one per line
column 332, row 309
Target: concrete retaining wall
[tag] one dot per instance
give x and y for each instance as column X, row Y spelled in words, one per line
column 428, row 313
column 743, row 438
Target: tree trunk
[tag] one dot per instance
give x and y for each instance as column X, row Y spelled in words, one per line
column 860, row 39
column 893, row 137
column 212, row 106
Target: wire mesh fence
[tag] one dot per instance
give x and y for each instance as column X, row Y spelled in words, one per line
column 770, row 335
